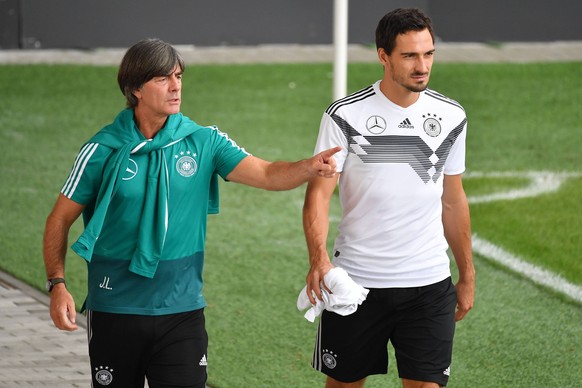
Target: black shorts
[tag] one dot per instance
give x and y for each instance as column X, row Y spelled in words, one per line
column 170, row 350
column 420, row 323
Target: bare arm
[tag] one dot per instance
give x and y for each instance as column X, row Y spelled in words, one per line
column 58, row 223
column 316, row 226
column 256, row 172
column 457, row 226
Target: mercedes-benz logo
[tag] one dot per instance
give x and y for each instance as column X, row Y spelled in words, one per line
column 376, row 124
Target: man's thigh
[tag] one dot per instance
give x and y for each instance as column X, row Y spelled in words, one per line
column 171, row 350
column 349, row 348
column 423, row 338
column 118, row 346
column 419, row 321
column 179, row 359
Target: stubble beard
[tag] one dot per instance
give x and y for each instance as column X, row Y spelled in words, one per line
column 408, row 84
column 416, row 88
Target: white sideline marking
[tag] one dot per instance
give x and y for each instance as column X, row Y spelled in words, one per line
column 534, row 273
column 541, row 182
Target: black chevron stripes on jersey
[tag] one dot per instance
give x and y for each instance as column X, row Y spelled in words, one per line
column 438, row 96
column 443, row 151
column 411, row 150
column 354, row 97
column 347, row 129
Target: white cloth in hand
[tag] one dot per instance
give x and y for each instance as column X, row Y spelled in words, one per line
column 344, row 299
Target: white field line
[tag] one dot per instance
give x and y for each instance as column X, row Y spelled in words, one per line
column 536, row 274
column 540, row 182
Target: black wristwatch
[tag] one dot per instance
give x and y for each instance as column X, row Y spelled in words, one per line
column 50, row 283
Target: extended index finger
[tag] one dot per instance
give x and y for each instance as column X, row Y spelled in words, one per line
column 330, row 152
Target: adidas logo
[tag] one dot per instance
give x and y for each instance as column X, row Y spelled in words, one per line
column 203, row 361
column 447, row 371
column 406, row 124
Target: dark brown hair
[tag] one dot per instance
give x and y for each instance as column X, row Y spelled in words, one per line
column 400, row 21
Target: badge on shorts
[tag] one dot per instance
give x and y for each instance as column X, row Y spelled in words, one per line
column 104, row 375
column 328, row 358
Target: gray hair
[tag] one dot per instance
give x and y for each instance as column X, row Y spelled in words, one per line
column 143, row 61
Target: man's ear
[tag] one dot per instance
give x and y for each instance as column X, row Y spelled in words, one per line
column 383, row 56
column 137, row 93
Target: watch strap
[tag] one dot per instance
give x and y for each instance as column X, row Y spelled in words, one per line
column 53, row 282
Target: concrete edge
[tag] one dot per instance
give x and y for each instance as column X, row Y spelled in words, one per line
column 447, row 52
column 34, row 293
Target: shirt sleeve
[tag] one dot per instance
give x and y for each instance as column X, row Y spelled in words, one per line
column 330, row 135
column 455, row 163
column 84, row 180
column 227, row 153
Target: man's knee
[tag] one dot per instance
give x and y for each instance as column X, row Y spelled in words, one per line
column 406, row 383
column 333, row 383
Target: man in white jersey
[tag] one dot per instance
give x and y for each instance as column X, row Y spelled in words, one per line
column 145, row 185
column 403, row 153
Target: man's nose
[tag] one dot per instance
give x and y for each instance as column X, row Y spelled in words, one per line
column 423, row 64
column 175, row 83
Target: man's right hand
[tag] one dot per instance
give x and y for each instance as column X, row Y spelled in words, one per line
column 316, row 279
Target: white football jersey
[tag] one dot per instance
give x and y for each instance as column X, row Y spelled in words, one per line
column 391, row 182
